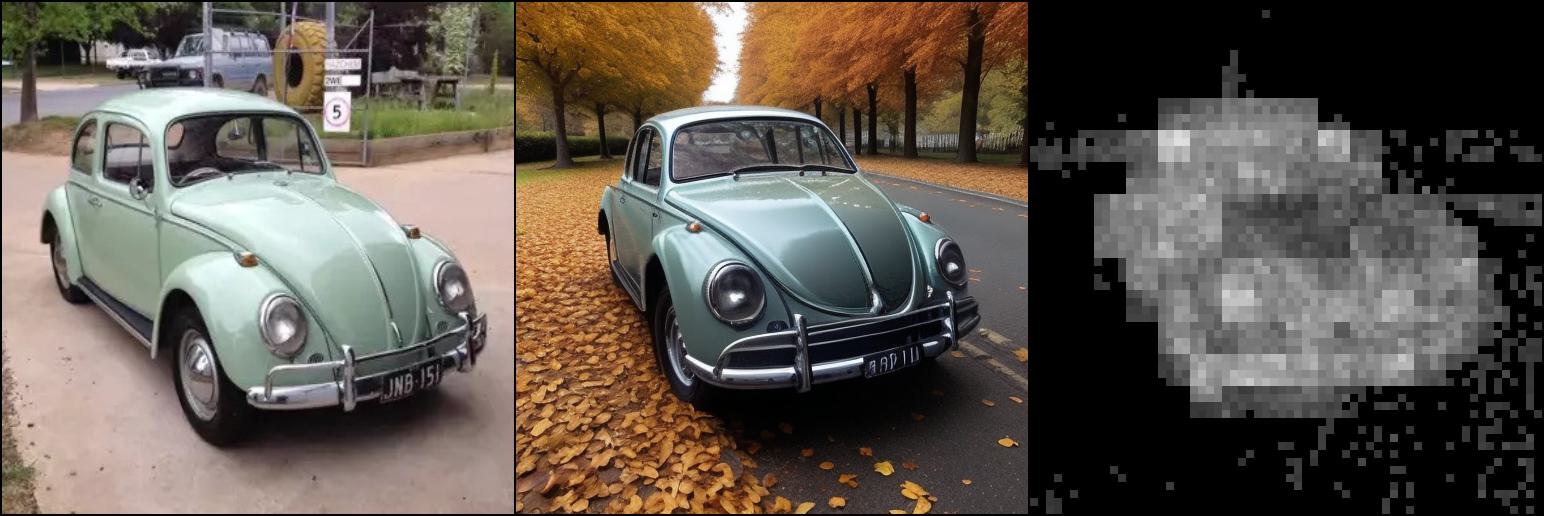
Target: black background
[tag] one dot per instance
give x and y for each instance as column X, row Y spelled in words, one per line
column 1096, row 398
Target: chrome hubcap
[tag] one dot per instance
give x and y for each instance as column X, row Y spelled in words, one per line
column 60, row 267
column 199, row 373
column 677, row 351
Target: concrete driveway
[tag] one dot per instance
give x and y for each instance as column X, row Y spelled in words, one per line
column 100, row 422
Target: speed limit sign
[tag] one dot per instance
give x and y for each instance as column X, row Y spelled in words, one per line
column 337, row 108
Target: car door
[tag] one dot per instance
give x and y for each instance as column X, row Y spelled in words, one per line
column 119, row 241
column 84, row 148
column 637, row 211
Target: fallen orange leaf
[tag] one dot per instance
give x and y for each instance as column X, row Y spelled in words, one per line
column 807, row 452
column 1016, row 399
column 989, row 403
column 837, row 502
column 827, row 465
column 1007, row 443
column 804, row 508
column 866, row 451
column 966, row 481
column 909, row 465
column 1022, row 354
column 884, row 468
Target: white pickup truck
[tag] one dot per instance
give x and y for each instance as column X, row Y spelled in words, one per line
column 131, row 62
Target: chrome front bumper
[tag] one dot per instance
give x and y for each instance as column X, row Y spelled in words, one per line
column 461, row 346
column 835, row 351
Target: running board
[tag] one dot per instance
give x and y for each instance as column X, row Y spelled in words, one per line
column 138, row 325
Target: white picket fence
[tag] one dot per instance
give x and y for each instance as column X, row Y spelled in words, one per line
column 1003, row 143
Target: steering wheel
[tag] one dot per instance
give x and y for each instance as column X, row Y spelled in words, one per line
column 200, row 172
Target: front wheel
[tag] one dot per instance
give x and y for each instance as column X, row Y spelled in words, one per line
column 67, row 290
column 670, row 353
column 215, row 408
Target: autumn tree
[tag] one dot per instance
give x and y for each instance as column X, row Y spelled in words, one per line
column 636, row 54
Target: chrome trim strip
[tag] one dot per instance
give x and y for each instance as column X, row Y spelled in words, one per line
column 750, row 343
column 114, row 316
column 929, row 321
column 348, row 378
column 780, row 377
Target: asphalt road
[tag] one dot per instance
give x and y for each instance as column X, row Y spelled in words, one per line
column 72, row 102
column 957, row 436
column 99, row 421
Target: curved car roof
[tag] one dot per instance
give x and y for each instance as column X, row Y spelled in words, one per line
column 157, row 107
column 672, row 120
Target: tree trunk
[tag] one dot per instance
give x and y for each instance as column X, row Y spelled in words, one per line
column 817, row 106
column 857, row 131
column 29, row 85
column 873, row 92
column 1024, row 147
column 972, row 92
column 600, row 120
column 841, row 125
column 910, row 149
column 561, row 134
column 637, row 118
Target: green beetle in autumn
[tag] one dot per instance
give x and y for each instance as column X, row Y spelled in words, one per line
column 763, row 258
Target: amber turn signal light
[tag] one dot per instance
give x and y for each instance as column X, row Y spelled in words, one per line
column 694, row 227
column 411, row 231
column 923, row 217
column 246, row 259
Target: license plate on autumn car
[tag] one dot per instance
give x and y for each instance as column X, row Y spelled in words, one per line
column 409, row 381
column 887, row 361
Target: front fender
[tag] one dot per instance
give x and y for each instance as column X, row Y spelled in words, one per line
column 925, row 236
column 428, row 253
column 686, row 259
column 229, row 297
column 57, row 207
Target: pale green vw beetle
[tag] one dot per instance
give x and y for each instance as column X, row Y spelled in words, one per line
column 763, row 258
column 210, row 225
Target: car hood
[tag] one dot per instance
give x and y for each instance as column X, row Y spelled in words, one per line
column 834, row 242
column 179, row 62
column 346, row 258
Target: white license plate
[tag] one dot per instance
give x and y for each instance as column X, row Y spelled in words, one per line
column 406, row 383
column 888, row 361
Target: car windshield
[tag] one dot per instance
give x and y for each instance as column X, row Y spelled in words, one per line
column 191, row 46
column 138, row 54
column 717, row 148
column 206, row 147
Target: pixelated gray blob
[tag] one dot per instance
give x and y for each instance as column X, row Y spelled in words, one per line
column 1281, row 269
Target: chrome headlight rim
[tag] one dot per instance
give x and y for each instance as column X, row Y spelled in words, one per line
column 297, row 341
column 718, row 272
column 938, row 261
column 439, row 289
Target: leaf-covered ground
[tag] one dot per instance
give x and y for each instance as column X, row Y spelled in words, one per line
column 597, row 429
column 1011, row 181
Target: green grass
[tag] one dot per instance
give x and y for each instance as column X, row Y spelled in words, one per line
column 538, row 171
column 391, row 118
column 16, row 477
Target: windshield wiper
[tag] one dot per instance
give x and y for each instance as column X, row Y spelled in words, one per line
column 801, row 168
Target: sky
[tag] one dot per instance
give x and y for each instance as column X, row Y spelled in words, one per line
column 728, row 27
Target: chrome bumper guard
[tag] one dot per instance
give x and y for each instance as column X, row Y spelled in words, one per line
column 349, row 389
column 841, row 345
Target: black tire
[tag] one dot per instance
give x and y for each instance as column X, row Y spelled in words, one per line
column 260, row 86
column 691, row 390
column 68, row 291
column 219, row 82
column 230, row 418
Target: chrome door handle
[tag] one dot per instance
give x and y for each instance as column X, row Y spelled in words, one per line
column 623, row 199
column 94, row 201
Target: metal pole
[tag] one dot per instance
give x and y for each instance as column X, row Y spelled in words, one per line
column 364, row 154
column 208, row 44
column 332, row 21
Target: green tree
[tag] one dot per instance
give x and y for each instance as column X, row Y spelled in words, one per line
column 24, row 24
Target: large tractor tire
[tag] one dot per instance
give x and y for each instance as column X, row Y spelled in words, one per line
column 297, row 78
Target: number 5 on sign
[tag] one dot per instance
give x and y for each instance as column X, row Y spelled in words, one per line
column 337, row 108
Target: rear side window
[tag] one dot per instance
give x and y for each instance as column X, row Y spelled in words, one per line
column 85, row 148
column 653, row 162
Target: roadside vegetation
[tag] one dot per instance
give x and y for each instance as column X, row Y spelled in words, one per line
column 16, row 479
column 50, row 135
column 391, row 118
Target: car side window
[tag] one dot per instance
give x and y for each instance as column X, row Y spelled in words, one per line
column 85, row 148
column 635, row 169
column 654, row 161
column 126, row 155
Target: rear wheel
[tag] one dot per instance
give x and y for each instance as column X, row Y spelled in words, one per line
column 670, row 353
column 215, row 408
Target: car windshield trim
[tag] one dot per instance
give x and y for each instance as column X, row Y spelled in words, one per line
column 272, row 166
column 820, row 126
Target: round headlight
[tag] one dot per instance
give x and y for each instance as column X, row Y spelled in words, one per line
column 734, row 293
column 951, row 262
column 453, row 287
column 283, row 325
